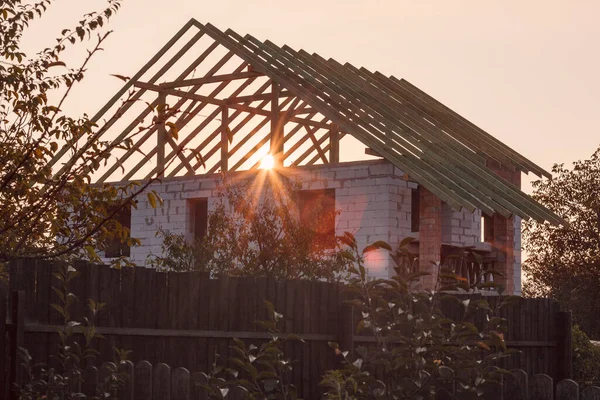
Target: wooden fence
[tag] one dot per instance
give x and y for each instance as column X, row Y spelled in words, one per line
column 161, row 382
column 184, row 319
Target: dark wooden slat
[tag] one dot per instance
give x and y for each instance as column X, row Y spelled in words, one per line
column 127, row 390
column 161, row 388
column 90, row 381
column 180, row 384
column 142, row 382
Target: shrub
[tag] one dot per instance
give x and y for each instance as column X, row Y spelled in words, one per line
column 586, row 358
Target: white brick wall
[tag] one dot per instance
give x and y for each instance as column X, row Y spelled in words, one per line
column 373, row 197
column 460, row 227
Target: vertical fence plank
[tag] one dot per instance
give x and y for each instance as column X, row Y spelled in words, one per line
column 567, row 390
column 105, row 381
column 126, row 390
column 565, row 345
column 3, row 341
column 516, row 386
column 161, row 388
column 180, row 384
column 162, row 313
column 542, row 387
column 142, row 381
column 17, row 338
column 591, row 393
column 198, row 380
column 127, row 305
column 90, row 381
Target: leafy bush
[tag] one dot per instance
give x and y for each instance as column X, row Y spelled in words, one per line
column 252, row 236
column 65, row 380
column 586, row 358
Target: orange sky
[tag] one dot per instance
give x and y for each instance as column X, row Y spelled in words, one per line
column 525, row 71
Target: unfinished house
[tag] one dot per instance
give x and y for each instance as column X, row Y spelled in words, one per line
column 393, row 160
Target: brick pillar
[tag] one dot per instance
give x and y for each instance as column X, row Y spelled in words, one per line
column 506, row 234
column 430, row 235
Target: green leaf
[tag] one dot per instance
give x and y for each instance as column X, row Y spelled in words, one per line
column 380, row 244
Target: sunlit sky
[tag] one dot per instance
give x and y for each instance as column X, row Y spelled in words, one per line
column 525, row 71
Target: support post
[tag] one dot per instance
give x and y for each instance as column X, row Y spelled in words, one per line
column 430, row 236
column 162, row 136
column 565, row 345
column 334, row 141
column 276, row 126
column 224, row 139
column 17, row 340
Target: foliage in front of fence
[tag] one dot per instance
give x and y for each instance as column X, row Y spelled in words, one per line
column 415, row 343
column 563, row 261
column 256, row 231
column 416, row 347
column 74, row 350
column 586, row 358
column 255, row 372
column 48, row 157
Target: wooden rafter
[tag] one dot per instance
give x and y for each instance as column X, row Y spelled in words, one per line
column 438, row 148
column 182, row 120
column 147, row 111
column 208, row 119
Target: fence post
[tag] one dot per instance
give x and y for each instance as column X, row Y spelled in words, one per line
column 17, row 340
column 3, row 342
column 565, row 345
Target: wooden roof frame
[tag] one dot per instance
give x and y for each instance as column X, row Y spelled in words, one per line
column 435, row 146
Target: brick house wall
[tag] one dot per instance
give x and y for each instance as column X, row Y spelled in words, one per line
column 373, row 198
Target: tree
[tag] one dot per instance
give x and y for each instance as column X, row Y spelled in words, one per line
column 248, row 236
column 564, row 261
column 48, row 208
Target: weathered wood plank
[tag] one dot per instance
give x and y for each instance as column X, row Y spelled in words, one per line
column 180, row 384
column 591, row 393
column 542, row 388
column 127, row 390
column 161, row 388
column 567, row 389
column 142, row 381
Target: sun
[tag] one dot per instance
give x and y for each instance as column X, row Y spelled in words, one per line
column 267, row 162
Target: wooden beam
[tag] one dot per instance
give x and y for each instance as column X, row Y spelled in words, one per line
column 224, row 139
column 306, row 110
column 317, row 145
column 299, row 143
column 310, row 122
column 276, row 126
column 255, row 97
column 209, row 79
column 334, row 142
column 162, row 136
column 147, row 111
column 211, row 137
column 205, row 99
column 214, row 114
column 369, row 151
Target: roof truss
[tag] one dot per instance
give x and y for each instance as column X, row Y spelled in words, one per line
column 240, row 98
